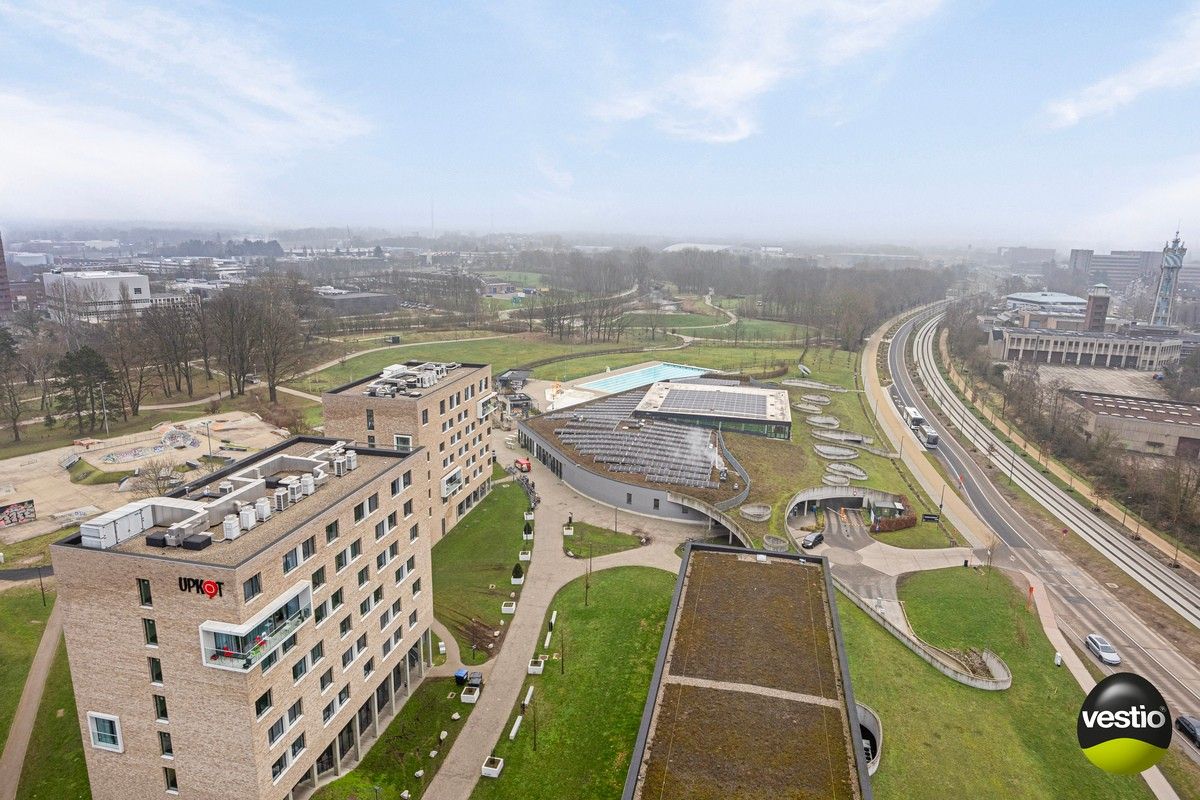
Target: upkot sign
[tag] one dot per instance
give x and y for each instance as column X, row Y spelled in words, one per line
column 209, row 589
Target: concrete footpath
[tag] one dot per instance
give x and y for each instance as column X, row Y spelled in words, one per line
column 31, row 697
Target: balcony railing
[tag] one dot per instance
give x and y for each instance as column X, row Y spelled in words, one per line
column 262, row 646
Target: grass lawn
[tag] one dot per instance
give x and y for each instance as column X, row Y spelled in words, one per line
column 923, row 536
column 944, row 739
column 22, row 620
column 587, row 718
column 479, row 552
column 711, row 357
column 502, row 354
column 518, row 278
column 87, row 474
column 32, row 552
column 498, row 471
column 601, row 541
column 670, row 321
column 404, row 747
column 756, row 329
column 54, row 766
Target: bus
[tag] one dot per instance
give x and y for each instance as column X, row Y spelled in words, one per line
column 928, row 436
column 913, row 418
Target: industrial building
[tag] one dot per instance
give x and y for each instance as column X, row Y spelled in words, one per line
column 95, row 296
column 1158, row 427
column 1084, row 348
column 723, row 404
column 250, row 634
column 443, row 407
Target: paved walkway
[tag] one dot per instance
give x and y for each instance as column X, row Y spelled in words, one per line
column 750, row 688
column 550, row 569
column 27, row 708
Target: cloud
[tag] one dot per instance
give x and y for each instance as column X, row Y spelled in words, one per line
column 758, row 45
column 1175, row 64
column 557, row 177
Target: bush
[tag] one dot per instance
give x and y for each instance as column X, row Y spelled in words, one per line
column 517, row 571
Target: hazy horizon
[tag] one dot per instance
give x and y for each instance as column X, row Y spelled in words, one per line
column 921, row 123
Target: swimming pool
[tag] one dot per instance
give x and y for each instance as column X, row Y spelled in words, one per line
column 642, row 377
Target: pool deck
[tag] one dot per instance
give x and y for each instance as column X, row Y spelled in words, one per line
column 576, row 392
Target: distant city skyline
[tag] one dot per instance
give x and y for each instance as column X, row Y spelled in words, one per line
column 921, row 122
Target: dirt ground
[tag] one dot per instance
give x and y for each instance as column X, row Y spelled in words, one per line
column 58, row 501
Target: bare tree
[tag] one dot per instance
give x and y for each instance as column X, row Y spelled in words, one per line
column 281, row 344
column 155, row 477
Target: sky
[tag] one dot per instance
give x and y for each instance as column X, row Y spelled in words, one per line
column 902, row 121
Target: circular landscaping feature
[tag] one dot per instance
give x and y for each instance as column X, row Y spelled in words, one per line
column 775, row 543
column 849, row 470
column 807, row 408
column 816, row 399
column 835, row 453
column 833, row 479
column 823, row 421
column 843, row 436
column 756, row 512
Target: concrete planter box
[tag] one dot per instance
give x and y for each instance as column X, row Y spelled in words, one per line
column 517, row 581
column 527, row 537
column 525, row 555
column 492, row 767
column 469, row 695
column 529, row 516
column 508, row 607
column 568, row 531
column 536, row 665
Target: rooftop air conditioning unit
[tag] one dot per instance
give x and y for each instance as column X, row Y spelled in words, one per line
column 225, row 487
column 294, row 491
column 281, row 499
column 230, row 527
column 247, row 518
column 351, row 459
column 308, row 483
column 172, row 539
column 339, row 466
column 262, row 509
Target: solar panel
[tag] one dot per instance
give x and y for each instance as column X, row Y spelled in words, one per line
column 714, row 402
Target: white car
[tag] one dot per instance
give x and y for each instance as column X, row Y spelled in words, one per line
column 1103, row 650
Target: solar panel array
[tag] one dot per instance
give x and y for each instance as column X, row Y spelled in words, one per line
column 700, row 401
column 662, row 452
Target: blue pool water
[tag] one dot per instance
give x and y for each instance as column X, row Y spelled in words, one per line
column 642, row 377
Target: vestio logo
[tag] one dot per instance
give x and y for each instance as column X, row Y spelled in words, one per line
column 1124, row 726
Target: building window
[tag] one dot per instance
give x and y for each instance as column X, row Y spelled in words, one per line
column 263, row 704
column 275, row 731
column 106, row 732
column 308, row 548
column 368, row 667
column 402, row 442
column 150, row 631
column 411, row 564
column 441, row 406
column 144, row 595
column 299, row 668
column 347, row 658
column 355, row 549
column 295, row 712
column 331, row 532
column 373, row 502
column 656, row 504
column 318, row 579
column 160, row 708
column 407, row 478
column 341, row 560
column 320, row 613
column 396, row 607
column 326, row 679
column 279, row 767
column 414, row 532
column 364, row 575
column 628, row 498
column 170, row 780
column 360, row 511
column 344, row 627
column 408, row 508
column 270, row 660
column 381, row 529
column 395, row 487
column 425, row 416
column 291, row 560
column 370, row 420
column 289, row 643
column 364, row 607
column 252, row 587
column 371, row 440
column 164, row 744
column 328, row 712
column 335, row 600
column 344, row 695
column 412, row 619
column 155, row 670
column 298, row 746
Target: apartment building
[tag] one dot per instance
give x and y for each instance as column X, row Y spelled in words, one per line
column 250, row 634
column 444, row 407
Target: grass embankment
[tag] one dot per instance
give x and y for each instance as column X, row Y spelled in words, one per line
column 520, row 279
column 54, row 766
column 592, row 540
column 22, row 620
column 749, row 331
column 472, row 568
column 404, row 747
column 87, row 474
column 587, row 717
column 944, row 739
column 33, row 552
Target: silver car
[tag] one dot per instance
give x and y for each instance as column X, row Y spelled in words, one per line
column 1103, row 650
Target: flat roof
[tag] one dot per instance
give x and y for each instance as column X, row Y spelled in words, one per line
column 752, row 645
column 406, row 374
column 717, row 401
column 251, row 478
column 1046, row 298
column 1138, row 408
column 1106, row 335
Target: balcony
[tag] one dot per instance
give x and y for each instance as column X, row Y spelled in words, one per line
column 240, row 648
column 485, row 406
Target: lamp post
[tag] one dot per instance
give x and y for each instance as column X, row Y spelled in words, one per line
column 942, row 496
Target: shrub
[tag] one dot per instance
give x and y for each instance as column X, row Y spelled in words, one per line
column 517, row 571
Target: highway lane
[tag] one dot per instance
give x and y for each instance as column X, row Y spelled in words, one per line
column 1083, row 605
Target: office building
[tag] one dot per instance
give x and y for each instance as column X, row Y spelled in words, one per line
column 1084, row 348
column 250, row 634
column 1096, row 313
column 442, row 407
column 99, row 295
column 1117, row 269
